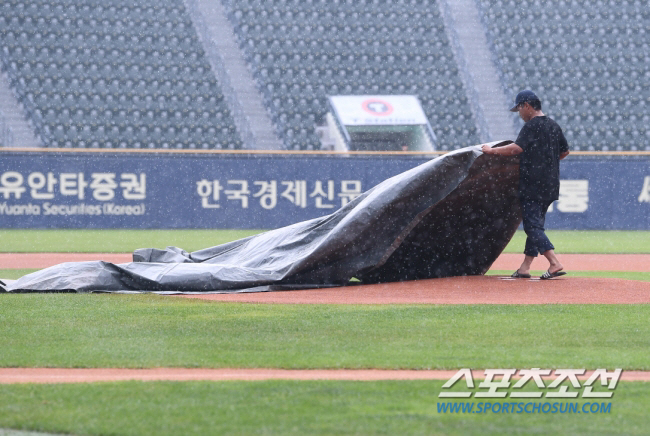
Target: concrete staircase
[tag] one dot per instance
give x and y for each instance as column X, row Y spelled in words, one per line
column 473, row 54
column 227, row 61
column 16, row 131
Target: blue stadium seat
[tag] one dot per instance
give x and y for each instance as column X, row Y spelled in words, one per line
column 98, row 64
column 302, row 51
column 602, row 71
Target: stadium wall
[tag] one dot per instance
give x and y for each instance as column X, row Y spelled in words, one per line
column 108, row 189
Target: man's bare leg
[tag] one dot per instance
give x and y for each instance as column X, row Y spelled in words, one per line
column 525, row 266
column 552, row 259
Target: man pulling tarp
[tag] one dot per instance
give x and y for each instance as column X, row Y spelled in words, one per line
column 451, row 216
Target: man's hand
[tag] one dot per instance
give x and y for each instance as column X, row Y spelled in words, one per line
column 486, row 149
column 508, row 150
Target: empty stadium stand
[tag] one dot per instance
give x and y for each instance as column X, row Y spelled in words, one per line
column 113, row 74
column 302, row 51
column 589, row 61
column 133, row 73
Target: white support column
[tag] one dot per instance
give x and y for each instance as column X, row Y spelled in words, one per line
column 20, row 132
column 474, row 54
column 227, row 61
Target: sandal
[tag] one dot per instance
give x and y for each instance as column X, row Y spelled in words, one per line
column 518, row 275
column 549, row 275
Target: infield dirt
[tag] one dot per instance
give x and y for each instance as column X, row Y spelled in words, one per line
column 507, row 261
column 461, row 290
column 452, row 290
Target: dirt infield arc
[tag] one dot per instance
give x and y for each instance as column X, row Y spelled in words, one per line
column 507, row 261
column 86, row 375
column 461, row 290
column 454, row 290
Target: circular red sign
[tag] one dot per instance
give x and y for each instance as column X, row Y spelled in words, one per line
column 377, row 107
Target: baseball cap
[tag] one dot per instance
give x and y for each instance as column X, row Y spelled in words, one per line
column 525, row 96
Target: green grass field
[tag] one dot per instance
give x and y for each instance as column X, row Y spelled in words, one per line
column 68, row 330
column 125, row 241
column 85, row 330
column 291, row 408
column 112, row 241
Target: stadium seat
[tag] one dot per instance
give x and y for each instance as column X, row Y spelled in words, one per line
column 300, row 52
column 97, row 65
column 600, row 72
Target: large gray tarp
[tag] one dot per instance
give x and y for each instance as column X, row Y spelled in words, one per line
column 450, row 216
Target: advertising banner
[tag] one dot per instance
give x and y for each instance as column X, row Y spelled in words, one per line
column 124, row 190
column 378, row 110
column 602, row 193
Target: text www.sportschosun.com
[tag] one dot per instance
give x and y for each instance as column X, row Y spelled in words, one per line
column 523, row 407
